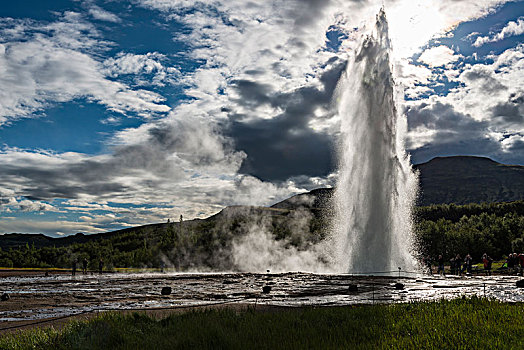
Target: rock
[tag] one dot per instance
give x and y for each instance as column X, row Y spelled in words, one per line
column 399, row 286
column 5, row 297
column 520, row 284
column 166, row 290
column 266, row 289
column 353, row 288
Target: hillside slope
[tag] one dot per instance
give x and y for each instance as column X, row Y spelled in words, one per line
column 463, row 179
column 445, row 180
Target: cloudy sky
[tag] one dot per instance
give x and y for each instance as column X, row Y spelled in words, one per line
column 117, row 113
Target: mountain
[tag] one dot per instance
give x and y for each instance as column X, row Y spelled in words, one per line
column 318, row 199
column 445, row 180
column 466, row 179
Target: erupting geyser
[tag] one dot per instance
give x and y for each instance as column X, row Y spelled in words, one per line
column 377, row 186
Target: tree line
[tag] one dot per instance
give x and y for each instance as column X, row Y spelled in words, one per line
column 495, row 228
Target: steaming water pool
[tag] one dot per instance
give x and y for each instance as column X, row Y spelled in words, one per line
column 40, row 297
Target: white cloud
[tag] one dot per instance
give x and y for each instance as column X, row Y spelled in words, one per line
column 438, row 56
column 510, row 142
column 54, row 65
column 100, row 14
column 475, row 116
column 9, row 204
column 414, row 78
column 488, row 85
column 31, row 206
column 511, row 29
column 141, row 67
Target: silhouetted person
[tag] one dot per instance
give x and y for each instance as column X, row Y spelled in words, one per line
column 458, row 264
column 521, row 262
column 468, row 261
column 511, row 262
column 440, row 262
column 452, row 266
column 427, row 262
column 514, row 262
column 84, row 266
column 487, row 261
column 73, row 268
column 100, row 266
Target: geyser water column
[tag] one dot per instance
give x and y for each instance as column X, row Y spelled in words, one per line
column 377, row 186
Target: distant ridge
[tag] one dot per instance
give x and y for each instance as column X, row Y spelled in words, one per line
column 445, row 180
column 468, row 179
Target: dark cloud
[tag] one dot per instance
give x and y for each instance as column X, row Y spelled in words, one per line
column 64, row 182
column 275, row 153
column 510, row 113
column 285, row 146
column 444, row 118
column 252, row 93
column 456, row 134
column 151, row 163
column 517, row 147
column 484, row 76
column 308, row 12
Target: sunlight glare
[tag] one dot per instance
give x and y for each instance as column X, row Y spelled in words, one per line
column 412, row 23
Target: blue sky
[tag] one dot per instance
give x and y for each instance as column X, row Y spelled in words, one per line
column 121, row 113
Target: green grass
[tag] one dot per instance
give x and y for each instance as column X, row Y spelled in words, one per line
column 457, row 324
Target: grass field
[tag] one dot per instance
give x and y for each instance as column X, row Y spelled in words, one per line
column 457, row 324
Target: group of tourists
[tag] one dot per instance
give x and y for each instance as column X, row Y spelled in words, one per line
column 513, row 264
column 85, row 263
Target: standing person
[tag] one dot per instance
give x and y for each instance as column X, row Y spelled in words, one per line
column 468, row 261
column 73, row 268
column 513, row 262
column 458, row 264
column 487, row 261
column 510, row 264
column 440, row 262
column 521, row 262
column 100, row 266
column 427, row 261
column 84, row 266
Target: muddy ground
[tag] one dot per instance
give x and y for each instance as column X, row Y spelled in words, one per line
column 35, row 297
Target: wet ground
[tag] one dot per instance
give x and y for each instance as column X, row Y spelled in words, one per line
column 37, row 297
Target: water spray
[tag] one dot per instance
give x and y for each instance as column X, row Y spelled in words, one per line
column 377, row 187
